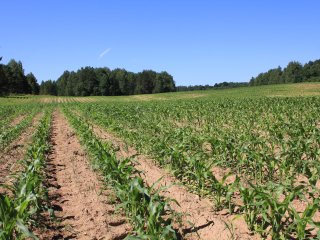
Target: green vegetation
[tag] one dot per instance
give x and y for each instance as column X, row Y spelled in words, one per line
column 266, row 143
column 7, row 115
column 20, row 208
column 222, row 85
column 89, row 81
column 295, row 72
column 8, row 134
column 252, row 151
column 105, row 82
column 13, row 79
column 150, row 213
column 86, row 81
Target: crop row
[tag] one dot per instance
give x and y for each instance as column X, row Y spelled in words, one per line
column 12, row 132
column 12, row 111
column 22, row 114
column 149, row 212
column 241, row 134
column 6, row 113
column 25, row 199
column 265, row 142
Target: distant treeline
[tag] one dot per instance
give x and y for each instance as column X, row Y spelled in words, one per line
column 84, row 82
column 105, row 82
column 222, row 85
column 90, row 81
column 193, row 88
column 231, row 84
column 13, row 79
column 295, row 72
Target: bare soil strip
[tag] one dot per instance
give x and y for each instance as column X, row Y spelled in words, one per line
column 17, row 120
column 16, row 150
column 83, row 207
column 207, row 224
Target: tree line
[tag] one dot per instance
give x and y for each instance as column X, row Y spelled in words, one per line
column 86, row 81
column 89, row 81
column 294, row 72
column 14, row 81
column 222, row 85
column 193, row 88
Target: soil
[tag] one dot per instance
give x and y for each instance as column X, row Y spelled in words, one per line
column 299, row 204
column 206, row 223
column 17, row 120
column 84, row 208
column 16, row 151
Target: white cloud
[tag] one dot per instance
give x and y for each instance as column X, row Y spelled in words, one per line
column 104, row 53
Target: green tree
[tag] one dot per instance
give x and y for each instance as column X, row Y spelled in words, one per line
column 252, row 81
column 146, row 81
column 17, row 82
column 62, row 83
column 132, row 78
column 103, row 78
column 48, row 88
column 88, row 83
column 102, row 81
column 32, row 82
column 121, row 76
column 168, row 82
column 3, row 81
column 71, row 83
column 275, row 76
column 311, row 71
column 113, row 83
column 158, row 86
column 293, row 73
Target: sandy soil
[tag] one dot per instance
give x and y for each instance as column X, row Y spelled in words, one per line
column 16, row 150
column 46, row 100
column 83, row 207
column 17, row 120
column 207, row 224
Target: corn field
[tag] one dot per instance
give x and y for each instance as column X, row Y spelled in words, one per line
column 269, row 147
column 254, row 157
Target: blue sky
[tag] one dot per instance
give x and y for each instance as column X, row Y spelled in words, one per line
column 198, row 42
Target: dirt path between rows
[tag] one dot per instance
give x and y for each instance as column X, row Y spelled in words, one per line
column 16, row 151
column 17, row 120
column 83, row 207
column 207, row 224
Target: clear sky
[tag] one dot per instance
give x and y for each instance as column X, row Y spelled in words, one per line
column 196, row 41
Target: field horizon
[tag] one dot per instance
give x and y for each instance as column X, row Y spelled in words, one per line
column 277, row 90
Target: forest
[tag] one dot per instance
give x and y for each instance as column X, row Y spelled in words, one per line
column 87, row 81
column 295, row 72
column 105, row 82
column 221, row 85
column 13, row 79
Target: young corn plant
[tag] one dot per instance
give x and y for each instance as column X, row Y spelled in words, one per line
column 260, row 139
column 149, row 212
column 303, row 223
column 8, row 135
column 20, row 208
column 268, row 215
column 223, row 192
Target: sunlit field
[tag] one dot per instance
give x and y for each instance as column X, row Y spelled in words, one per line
column 252, row 152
